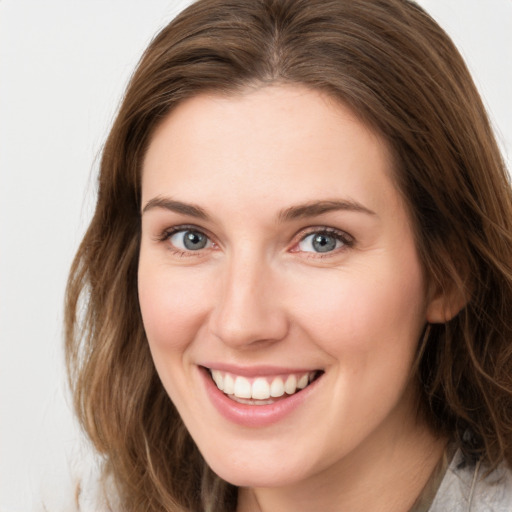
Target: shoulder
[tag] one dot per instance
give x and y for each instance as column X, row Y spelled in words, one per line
column 469, row 489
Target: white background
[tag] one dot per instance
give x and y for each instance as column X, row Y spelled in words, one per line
column 63, row 67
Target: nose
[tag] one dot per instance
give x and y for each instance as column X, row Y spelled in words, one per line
column 248, row 312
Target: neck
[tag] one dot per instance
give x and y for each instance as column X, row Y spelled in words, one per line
column 384, row 474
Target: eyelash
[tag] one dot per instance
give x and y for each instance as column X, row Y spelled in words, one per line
column 345, row 238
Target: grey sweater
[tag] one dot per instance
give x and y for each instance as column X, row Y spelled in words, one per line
column 467, row 489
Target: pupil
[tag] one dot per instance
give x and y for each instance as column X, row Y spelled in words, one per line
column 194, row 240
column 324, row 243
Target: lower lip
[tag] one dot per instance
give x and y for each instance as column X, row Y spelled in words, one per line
column 254, row 415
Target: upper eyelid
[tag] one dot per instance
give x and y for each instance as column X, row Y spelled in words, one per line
column 184, row 227
column 303, row 233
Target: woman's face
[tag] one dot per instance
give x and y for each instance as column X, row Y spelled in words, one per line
column 276, row 252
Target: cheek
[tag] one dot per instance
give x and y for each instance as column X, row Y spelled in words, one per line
column 369, row 323
column 172, row 304
column 367, row 310
column 173, row 309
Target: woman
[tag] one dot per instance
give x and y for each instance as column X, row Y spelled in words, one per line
column 296, row 287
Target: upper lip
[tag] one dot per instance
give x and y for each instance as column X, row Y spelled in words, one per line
column 258, row 370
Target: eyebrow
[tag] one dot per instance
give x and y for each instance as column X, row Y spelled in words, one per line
column 175, row 206
column 315, row 208
column 300, row 211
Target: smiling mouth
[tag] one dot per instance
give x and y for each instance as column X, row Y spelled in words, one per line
column 262, row 390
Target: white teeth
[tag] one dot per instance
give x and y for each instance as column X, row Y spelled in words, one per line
column 303, row 382
column 218, row 378
column 277, row 387
column 290, row 385
column 229, row 385
column 260, row 389
column 242, row 388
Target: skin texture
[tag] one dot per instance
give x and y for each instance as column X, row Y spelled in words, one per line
column 259, row 294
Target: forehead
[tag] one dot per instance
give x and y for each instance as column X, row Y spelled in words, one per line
column 300, row 141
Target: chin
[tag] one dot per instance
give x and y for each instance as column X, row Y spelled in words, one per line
column 257, row 477
column 267, row 471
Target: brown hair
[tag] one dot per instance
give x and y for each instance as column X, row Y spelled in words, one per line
column 396, row 68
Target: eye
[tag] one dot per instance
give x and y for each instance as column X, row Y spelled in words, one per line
column 189, row 240
column 323, row 242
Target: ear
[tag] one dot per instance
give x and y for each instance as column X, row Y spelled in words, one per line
column 444, row 304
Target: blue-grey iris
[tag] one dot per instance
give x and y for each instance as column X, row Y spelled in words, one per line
column 324, row 243
column 193, row 240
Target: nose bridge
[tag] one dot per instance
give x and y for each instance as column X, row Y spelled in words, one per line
column 248, row 309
